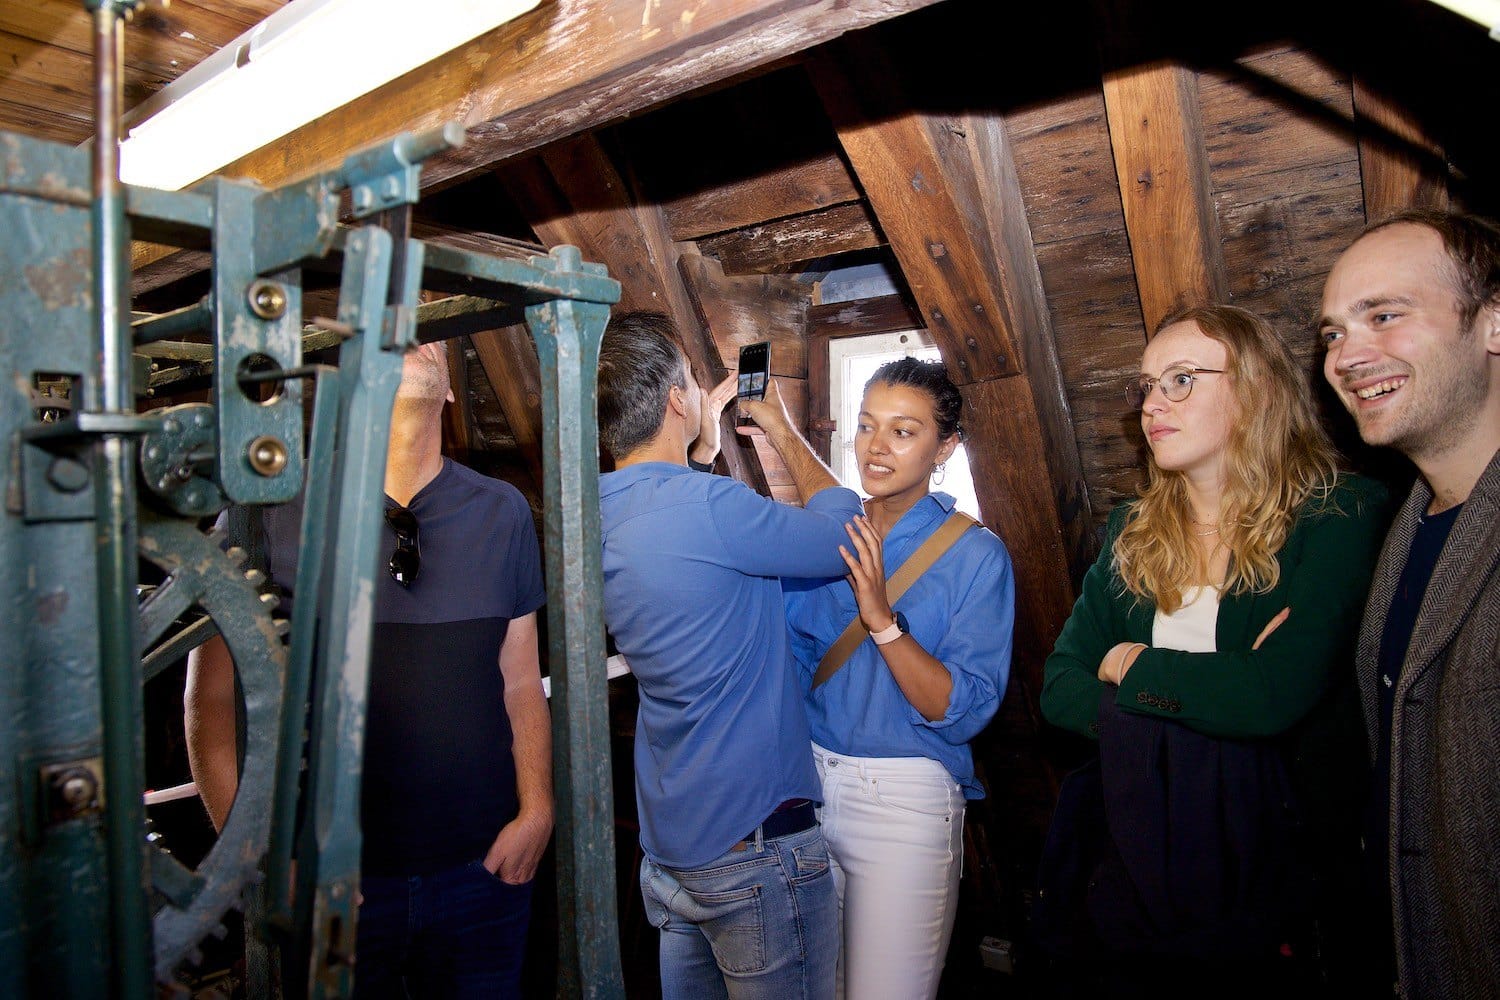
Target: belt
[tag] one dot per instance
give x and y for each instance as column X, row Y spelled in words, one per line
column 786, row 820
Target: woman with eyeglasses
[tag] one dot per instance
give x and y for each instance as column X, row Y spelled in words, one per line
column 1209, row 655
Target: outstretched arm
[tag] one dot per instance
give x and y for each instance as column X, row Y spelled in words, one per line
column 807, row 470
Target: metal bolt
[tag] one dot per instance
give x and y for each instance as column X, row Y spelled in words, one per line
column 77, row 790
column 267, row 455
column 267, row 299
column 391, row 188
column 364, row 198
column 201, row 418
column 153, row 451
column 67, row 475
column 171, row 426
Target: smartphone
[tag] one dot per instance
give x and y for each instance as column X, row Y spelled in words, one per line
column 755, row 369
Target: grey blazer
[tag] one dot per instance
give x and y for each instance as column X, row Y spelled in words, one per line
column 1445, row 751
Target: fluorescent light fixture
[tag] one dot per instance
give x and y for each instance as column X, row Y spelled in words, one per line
column 303, row 61
column 1485, row 12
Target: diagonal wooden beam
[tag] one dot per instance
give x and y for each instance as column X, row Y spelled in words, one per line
column 1157, row 139
column 1392, row 168
column 509, row 359
column 899, row 162
column 574, row 194
column 945, row 192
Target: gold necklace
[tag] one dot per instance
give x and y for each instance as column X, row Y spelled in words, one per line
column 1204, row 534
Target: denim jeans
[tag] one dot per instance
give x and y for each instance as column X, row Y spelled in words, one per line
column 460, row 932
column 754, row 924
column 895, row 841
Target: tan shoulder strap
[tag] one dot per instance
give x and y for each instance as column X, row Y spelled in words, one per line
column 916, row 564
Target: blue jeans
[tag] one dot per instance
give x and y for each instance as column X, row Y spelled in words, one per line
column 460, row 932
column 754, row 924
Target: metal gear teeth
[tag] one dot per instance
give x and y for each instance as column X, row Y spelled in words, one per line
column 271, row 601
column 236, row 555
column 217, row 535
column 255, row 577
column 283, row 626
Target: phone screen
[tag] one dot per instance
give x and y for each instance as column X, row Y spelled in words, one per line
column 755, row 366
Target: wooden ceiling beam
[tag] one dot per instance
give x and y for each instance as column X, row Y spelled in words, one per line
column 801, row 188
column 574, row 194
column 1157, row 138
column 779, row 246
column 566, row 67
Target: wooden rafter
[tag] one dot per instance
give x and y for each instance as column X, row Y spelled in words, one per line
column 930, row 179
column 1162, row 166
column 567, row 67
column 573, row 194
column 1395, row 173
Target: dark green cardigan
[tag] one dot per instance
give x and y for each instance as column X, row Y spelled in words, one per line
column 1237, row 692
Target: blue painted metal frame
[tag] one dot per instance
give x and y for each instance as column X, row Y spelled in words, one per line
column 78, row 865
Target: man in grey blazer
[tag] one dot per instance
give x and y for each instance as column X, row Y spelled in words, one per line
column 1411, row 326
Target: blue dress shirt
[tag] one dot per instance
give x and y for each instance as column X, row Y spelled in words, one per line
column 961, row 611
column 692, row 596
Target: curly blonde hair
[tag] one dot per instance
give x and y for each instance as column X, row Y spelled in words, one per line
column 1277, row 458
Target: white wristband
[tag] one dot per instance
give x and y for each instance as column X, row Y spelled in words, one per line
column 890, row 633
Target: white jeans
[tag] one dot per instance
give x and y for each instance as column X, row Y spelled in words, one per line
column 894, row 827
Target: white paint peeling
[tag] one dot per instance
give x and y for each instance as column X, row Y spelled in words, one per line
column 241, row 335
column 354, row 679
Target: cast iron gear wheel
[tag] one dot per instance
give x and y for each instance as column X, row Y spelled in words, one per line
column 200, row 574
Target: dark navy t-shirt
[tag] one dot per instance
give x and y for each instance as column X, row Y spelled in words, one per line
column 439, row 780
column 1426, row 547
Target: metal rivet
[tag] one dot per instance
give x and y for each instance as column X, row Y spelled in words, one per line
column 267, row 299
column 67, row 475
column 267, row 455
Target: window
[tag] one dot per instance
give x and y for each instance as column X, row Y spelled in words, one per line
column 851, row 363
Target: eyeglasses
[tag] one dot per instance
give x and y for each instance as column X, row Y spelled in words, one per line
column 406, row 561
column 1176, row 383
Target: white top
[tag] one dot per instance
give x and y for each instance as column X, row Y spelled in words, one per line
column 1191, row 627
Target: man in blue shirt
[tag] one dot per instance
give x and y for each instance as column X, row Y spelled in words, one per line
column 735, row 873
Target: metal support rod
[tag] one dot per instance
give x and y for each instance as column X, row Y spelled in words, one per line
column 196, row 318
column 119, row 654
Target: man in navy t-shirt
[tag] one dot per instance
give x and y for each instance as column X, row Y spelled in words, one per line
column 456, row 796
column 735, row 873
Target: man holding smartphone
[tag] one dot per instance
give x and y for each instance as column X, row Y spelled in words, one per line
column 735, row 873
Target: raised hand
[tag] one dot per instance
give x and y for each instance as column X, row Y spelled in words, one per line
column 866, row 561
column 706, row 445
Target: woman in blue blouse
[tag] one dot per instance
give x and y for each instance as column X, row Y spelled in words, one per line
column 891, row 727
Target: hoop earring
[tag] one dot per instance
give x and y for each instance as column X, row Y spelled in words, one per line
column 939, row 473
